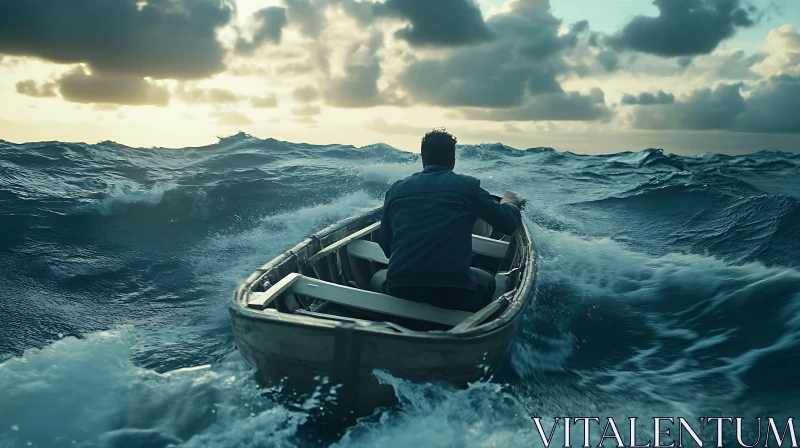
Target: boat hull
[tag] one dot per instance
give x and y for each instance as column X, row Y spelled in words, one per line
column 300, row 351
column 347, row 355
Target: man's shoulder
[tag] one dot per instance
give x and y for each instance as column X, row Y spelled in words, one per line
column 400, row 182
column 469, row 180
column 398, row 185
column 450, row 181
column 464, row 183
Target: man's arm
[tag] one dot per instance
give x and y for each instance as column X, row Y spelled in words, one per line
column 503, row 216
column 385, row 234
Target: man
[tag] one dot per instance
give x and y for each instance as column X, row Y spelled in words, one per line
column 426, row 231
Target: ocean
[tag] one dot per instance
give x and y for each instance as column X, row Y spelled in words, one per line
column 668, row 286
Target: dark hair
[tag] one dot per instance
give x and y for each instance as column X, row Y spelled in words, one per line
column 438, row 148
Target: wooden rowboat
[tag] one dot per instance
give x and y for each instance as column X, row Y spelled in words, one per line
column 308, row 314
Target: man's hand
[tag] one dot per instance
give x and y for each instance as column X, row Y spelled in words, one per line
column 512, row 197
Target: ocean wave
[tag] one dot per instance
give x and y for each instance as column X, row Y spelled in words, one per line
column 648, row 318
column 668, row 284
column 694, row 182
column 704, row 213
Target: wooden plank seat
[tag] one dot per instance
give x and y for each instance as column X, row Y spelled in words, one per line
column 371, row 251
column 367, row 250
column 357, row 298
column 490, row 247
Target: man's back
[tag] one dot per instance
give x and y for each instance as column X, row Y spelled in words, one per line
column 427, row 226
column 426, row 231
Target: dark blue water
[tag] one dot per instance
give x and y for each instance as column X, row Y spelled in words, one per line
column 669, row 286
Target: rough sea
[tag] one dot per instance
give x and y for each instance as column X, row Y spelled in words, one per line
column 668, row 286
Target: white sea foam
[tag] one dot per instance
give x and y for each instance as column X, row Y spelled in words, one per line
column 87, row 392
column 125, row 192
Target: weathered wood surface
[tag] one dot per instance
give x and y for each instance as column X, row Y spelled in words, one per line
column 260, row 300
column 478, row 317
column 381, row 303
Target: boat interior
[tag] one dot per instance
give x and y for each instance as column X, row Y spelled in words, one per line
column 333, row 284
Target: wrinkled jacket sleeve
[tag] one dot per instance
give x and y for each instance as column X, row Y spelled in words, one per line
column 504, row 218
column 385, row 234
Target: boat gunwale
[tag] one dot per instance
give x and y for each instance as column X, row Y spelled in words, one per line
column 238, row 308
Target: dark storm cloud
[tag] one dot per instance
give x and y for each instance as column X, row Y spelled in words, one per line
column 438, row 23
column 78, row 87
column 534, row 30
column 525, row 57
column 545, row 41
column 684, row 61
column 207, row 96
column 646, row 98
column 608, row 60
column 773, row 106
column 29, row 87
column 702, row 110
column 564, row 106
column 269, row 23
column 543, row 80
column 157, row 38
column 486, row 76
column 684, row 27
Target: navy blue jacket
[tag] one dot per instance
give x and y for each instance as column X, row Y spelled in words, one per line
column 426, row 227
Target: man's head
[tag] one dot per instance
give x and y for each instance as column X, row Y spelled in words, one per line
column 439, row 148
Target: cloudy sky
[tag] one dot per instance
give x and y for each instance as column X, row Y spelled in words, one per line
column 592, row 76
